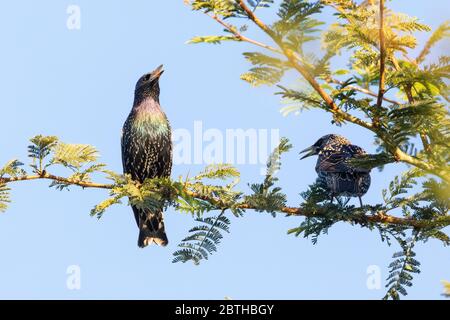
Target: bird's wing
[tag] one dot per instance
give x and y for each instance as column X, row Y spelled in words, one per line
column 337, row 161
column 122, row 148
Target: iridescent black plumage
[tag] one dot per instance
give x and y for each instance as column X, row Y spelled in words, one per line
column 147, row 151
column 335, row 173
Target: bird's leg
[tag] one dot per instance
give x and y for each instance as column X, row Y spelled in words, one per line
column 360, row 201
column 332, row 198
column 347, row 200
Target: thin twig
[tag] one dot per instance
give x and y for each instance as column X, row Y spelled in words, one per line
column 381, row 89
column 47, row 176
column 362, row 90
column 240, row 36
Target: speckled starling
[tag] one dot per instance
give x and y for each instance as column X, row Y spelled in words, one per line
column 147, row 151
column 335, row 173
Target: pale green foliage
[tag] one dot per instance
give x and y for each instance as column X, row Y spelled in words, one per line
column 256, row 4
column 266, row 196
column 4, row 197
column 262, row 76
column 81, row 159
column 203, row 239
column 401, row 270
column 296, row 24
column 442, row 32
column 268, row 70
column 225, row 8
column 211, row 39
column 446, row 289
column 46, row 151
column 39, row 149
column 100, row 208
column 218, row 171
column 361, row 29
column 12, row 169
column 74, row 155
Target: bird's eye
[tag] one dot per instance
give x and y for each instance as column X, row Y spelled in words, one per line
column 146, row 77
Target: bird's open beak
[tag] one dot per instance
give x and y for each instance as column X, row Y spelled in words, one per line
column 157, row 72
column 310, row 151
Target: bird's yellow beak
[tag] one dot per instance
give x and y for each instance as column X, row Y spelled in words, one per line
column 310, row 151
column 156, row 74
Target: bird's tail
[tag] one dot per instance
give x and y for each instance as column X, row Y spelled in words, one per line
column 151, row 229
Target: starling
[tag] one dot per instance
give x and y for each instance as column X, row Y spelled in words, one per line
column 336, row 175
column 147, row 152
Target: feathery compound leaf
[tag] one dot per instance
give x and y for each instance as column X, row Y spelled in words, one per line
column 400, row 185
column 274, row 162
column 266, row 197
column 256, row 4
column 4, row 197
column 101, row 208
column 39, row 149
column 41, row 146
column 442, row 32
column 203, row 239
column 306, row 100
column 74, row 156
column 224, row 8
column 13, row 169
column 263, row 76
column 295, row 14
column 212, row 39
column 403, row 267
column 446, row 289
column 296, row 25
column 260, row 59
column 218, row 171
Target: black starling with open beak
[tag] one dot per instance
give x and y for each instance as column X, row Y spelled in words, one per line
column 335, row 173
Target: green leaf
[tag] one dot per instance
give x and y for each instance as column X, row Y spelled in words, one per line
column 13, row 169
column 101, row 208
column 263, row 76
column 203, row 239
column 260, row 59
column 74, row 156
column 4, row 197
column 41, row 146
column 212, row 39
column 218, row 171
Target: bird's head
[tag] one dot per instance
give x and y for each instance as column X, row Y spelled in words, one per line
column 148, row 84
column 326, row 141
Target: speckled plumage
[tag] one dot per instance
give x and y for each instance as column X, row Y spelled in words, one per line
column 147, row 151
column 334, row 172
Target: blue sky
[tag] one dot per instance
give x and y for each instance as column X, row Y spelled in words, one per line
column 79, row 86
